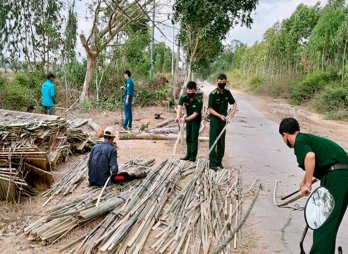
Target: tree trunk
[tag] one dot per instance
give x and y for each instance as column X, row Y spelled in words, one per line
column 91, row 66
column 344, row 59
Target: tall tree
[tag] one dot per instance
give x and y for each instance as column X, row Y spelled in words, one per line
column 110, row 18
column 31, row 30
column 70, row 35
column 208, row 22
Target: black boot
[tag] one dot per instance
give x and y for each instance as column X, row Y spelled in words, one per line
column 185, row 158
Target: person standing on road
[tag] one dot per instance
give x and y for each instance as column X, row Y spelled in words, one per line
column 218, row 102
column 48, row 95
column 327, row 161
column 128, row 100
column 103, row 160
column 193, row 105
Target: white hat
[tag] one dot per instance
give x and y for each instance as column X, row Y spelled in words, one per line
column 110, row 132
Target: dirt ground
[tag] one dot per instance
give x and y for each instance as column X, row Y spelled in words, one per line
column 14, row 217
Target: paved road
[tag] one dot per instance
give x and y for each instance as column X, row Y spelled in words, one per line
column 254, row 145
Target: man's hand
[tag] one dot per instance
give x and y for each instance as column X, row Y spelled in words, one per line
column 222, row 117
column 127, row 102
column 306, row 190
column 232, row 114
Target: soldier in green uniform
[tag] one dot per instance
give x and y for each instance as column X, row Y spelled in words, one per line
column 193, row 104
column 218, row 102
column 328, row 162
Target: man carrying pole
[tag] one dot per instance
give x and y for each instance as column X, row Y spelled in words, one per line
column 193, row 104
column 218, row 102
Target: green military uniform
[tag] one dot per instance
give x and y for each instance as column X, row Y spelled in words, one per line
column 327, row 154
column 192, row 127
column 219, row 102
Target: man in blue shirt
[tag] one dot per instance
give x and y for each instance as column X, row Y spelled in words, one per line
column 103, row 160
column 48, row 94
column 128, row 100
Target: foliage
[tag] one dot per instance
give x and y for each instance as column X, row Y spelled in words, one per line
column 34, row 32
column 147, row 97
column 13, row 95
column 305, row 89
column 204, row 24
column 86, row 106
column 70, row 35
column 333, row 101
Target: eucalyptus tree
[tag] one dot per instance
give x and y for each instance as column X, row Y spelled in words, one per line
column 323, row 49
column 204, row 23
column 30, row 30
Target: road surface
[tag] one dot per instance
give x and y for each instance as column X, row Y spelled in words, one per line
column 254, row 145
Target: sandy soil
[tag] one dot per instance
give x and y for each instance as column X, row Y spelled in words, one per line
column 14, row 217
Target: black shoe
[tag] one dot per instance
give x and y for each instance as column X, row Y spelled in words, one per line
column 221, row 166
column 186, row 158
column 193, row 160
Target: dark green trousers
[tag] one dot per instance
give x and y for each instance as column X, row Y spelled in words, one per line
column 324, row 238
column 216, row 155
column 192, row 133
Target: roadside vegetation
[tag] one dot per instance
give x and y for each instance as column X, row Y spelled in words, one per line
column 303, row 58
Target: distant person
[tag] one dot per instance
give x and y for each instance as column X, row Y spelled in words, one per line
column 218, row 102
column 193, row 103
column 102, row 160
column 328, row 162
column 128, row 100
column 48, row 95
column 30, row 108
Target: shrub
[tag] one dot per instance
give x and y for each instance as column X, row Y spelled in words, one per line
column 86, row 105
column 148, row 97
column 255, row 83
column 333, row 102
column 304, row 90
column 15, row 96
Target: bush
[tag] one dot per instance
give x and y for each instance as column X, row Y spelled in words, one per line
column 305, row 89
column 148, row 97
column 15, row 96
column 333, row 102
column 31, row 81
column 3, row 82
column 108, row 104
column 86, row 106
column 255, row 83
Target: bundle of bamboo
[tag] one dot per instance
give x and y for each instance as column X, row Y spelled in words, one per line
column 32, row 145
column 61, row 219
column 182, row 206
column 24, row 171
column 76, row 175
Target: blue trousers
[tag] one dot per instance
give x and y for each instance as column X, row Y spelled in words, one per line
column 128, row 117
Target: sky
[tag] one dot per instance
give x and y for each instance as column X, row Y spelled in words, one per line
column 266, row 14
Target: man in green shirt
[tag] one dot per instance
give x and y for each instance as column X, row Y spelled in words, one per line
column 218, row 102
column 193, row 104
column 324, row 159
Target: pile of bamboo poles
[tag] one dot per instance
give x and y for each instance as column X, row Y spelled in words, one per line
column 51, row 134
column 76, row 175
column 46, row 132
column 180, row 207
column 61, row 219
column 127, row 228
column 69, row 182
column 24, row 171
column 204, row 216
